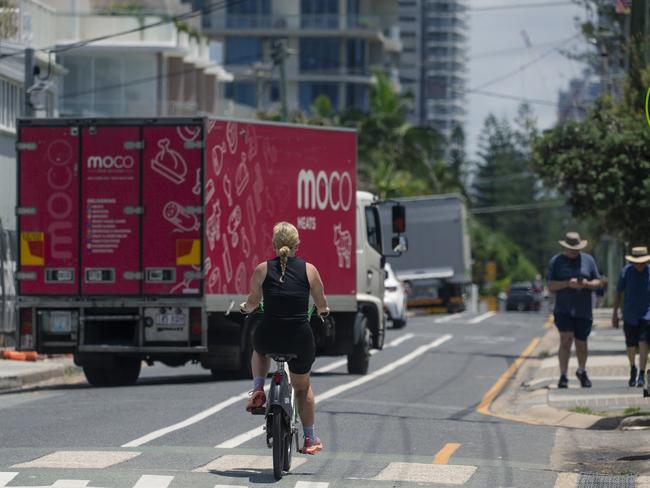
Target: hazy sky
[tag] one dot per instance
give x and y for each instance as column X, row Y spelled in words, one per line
column 547, row 28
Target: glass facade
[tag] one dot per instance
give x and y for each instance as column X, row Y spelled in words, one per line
column 319, row 54
column 319, row 13
column 356, row 96
column 310, row 90
column 242, row 92
column 357, row 56
column 243, row 50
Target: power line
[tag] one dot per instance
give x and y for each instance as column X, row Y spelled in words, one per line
column 532, row 101
column 521, row 6
column 193, row 13
column 517, row 208
column 521, row 68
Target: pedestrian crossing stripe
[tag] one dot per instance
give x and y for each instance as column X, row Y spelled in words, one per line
column 448, row 474
column 80, row 459
column 229, row 462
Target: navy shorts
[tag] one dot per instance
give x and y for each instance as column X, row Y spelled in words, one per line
column 636, row 333
column 580, row 327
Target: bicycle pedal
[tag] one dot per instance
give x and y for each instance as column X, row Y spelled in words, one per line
column 258, row 411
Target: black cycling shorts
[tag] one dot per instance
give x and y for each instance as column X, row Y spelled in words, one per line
column 280, row 336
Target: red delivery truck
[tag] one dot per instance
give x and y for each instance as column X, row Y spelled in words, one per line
column 138, row 237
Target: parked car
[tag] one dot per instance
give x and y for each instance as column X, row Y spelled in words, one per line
column 523, row 296
column 394, row 299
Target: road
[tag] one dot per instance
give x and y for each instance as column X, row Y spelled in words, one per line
column 413, row 418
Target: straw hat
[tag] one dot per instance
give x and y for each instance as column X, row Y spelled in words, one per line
column 572, row 241
column 639, row 255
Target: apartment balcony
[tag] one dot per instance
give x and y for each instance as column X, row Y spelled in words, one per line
column 380, row 28
column 29, row 23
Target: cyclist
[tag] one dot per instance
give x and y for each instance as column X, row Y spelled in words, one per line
column 285, row 283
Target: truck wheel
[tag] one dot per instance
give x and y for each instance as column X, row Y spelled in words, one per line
column 125, row 372
column 96, row 376
column 399, row 323
column 360, row 357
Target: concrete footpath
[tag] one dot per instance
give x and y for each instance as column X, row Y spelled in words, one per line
column 20, row 374
column 533, row 397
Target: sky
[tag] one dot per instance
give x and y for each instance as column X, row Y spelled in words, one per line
column 547, row 28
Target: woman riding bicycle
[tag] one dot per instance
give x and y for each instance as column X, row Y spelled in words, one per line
column 285, row 283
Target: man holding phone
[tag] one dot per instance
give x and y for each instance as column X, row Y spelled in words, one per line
column 572, row 276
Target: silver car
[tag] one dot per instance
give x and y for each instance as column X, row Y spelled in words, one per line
column 394, row 298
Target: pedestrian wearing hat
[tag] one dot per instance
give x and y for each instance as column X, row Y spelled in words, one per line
column 634, row 283
column 572, row 276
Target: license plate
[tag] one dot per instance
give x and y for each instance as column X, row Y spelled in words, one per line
column 170, row 319
column 60, row 324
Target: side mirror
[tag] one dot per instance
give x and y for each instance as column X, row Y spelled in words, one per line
column 399, row 219
column 400, row 244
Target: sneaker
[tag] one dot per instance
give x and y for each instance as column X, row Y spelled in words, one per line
column 633, row 372
column 585, row 382
column 564, row 382
column 312, row 446
column 257, row 399
column 641, row 381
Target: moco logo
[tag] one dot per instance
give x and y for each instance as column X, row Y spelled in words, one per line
column 110, row 162
column 333, row 190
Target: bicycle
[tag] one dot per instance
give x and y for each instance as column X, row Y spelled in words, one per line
column 281, row 414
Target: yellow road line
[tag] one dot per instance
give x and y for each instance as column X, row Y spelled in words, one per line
column 443, row 455
column 492, row 393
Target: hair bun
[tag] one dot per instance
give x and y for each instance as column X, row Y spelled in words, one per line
column 284, row 251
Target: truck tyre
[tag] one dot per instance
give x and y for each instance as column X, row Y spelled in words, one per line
column 399, row 323
column 125, row 372
column 96, row 376
column 360, row 357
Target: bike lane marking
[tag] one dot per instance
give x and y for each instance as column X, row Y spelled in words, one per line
column 234, row 399
column 449, row 318
column 342, row 362
column 481, row 318
column 337, row 390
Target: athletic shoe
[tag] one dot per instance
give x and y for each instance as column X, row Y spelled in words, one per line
column 564, row 382
column 312, row 446
column 257, row 399
column 585, row 382
column 641, row 381
column 633, row 372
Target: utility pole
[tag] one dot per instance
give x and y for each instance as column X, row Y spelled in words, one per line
column 279, row 54
column 28, row 107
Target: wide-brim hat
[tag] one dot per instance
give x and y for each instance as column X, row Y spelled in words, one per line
column 572, row 241
column 639, row 255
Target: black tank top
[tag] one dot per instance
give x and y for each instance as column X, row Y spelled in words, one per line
column 290, row 299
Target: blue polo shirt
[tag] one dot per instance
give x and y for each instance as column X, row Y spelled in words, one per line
column 575, row 303
column 637, row 296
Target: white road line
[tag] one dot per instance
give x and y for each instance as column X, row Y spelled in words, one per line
column 185, row 423
column 481, row 318
column 232, row 400
column 342, row 362
column 153, row 481
column 311, row 484
column 6, row 477
column 399, row 340
column 70, row 484
column 337, row 390
column 449, row 318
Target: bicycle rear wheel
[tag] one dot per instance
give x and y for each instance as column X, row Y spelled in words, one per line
column 279, row 442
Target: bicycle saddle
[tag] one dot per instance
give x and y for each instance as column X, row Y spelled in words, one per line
column 282, row 357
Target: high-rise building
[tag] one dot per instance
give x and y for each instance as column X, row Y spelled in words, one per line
column 433, row 63
column 580, row 95
column 334, row 46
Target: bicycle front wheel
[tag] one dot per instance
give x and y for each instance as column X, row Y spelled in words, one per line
column 279, row 443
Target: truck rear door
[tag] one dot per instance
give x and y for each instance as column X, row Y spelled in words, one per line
column 111, row 208
column 173, row 219
column 48, row 221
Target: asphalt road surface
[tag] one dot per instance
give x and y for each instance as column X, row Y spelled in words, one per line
column 411, row 421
